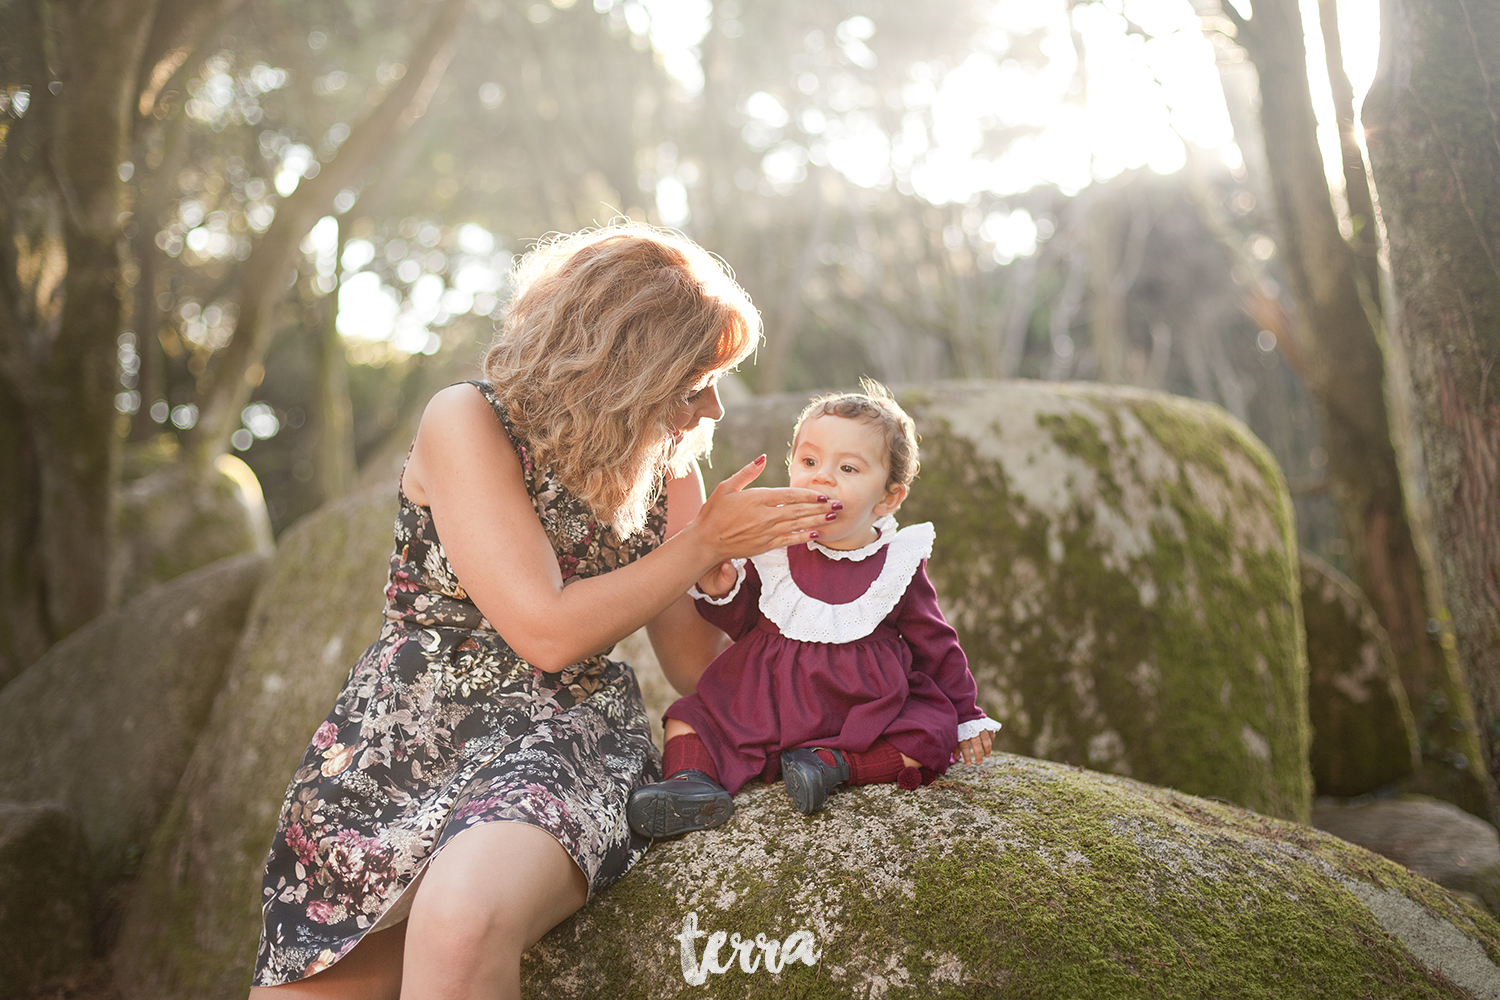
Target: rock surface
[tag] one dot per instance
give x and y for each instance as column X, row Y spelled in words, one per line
column 1020, row 878
column 1435, row 839
column 106, row 721
column 192, row 925
column 45, row 922
column 1121, row 568
column 162, row 536
column 1363, row 734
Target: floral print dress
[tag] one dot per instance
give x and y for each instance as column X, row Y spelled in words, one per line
column 440, row 727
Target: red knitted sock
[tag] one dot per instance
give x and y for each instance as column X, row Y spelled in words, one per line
column 687, row 752
column 876, row 766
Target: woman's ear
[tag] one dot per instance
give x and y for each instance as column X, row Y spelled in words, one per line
column 895, row 494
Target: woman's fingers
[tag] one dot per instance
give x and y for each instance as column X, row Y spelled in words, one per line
column 786, row 496
column 742, row 478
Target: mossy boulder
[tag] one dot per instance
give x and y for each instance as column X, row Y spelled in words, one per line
column 1121, row 568
column 192, row 924
column 1363, row 734
column 1019, row 878
column 105, row 722
column 45, row 923
column 1435, row 839
column 170, row 521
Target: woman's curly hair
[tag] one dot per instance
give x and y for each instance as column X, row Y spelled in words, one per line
column 608, row 334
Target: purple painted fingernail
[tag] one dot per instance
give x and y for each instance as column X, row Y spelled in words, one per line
column 830, row 517
column 837, row 505
column 822, row 498
column 812, row 534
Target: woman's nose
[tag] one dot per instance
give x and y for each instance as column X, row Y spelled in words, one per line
column 709, row 405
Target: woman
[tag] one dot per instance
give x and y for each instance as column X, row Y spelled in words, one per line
column 467, row 793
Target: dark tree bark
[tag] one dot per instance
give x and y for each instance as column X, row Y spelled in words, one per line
column 1337, row 333
column 1432, row 122
column 60, row 208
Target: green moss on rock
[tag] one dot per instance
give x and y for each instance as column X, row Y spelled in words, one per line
column 169, row 522
column 1364, row 736
column 1023, row 878
column 194, row 919
column 106, row 721
column 45, row 925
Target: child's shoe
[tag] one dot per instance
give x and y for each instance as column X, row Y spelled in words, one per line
column 809, row 779
column 688, row 800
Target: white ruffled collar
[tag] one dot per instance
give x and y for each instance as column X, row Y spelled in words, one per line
column 808, row 619
column 885, row 528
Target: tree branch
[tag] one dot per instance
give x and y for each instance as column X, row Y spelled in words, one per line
column 224, row 389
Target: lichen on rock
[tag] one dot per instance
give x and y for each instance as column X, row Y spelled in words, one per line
column 1120, row 566
column 171, row 520
column 105, row 722
column 192, row 925
column 45, row 923
column 1363, row 734
column 1022, row 878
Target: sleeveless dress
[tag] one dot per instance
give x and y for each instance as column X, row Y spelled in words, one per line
column 442, row 726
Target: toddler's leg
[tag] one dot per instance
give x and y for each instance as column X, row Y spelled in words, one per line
column 686, row 751
column 811, row 774
column 689, row 798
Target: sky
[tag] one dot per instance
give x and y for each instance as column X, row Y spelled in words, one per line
column 1145, row 96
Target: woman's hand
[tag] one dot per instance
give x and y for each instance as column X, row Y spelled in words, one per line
column 736, row 522
column 974, row 749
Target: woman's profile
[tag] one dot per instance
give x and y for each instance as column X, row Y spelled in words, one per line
column 467, row 790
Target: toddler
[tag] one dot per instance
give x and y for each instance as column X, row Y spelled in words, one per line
column 842, row 670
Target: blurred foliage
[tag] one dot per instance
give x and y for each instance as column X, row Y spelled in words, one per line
column 555, row 116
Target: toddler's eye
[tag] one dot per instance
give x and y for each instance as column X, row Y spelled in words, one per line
column 848, row 469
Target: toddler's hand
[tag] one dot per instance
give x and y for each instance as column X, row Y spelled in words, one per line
column 974, row 749
column 718, row 581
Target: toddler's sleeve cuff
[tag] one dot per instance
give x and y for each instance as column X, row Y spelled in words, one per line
column 972, row 728
column 739, row 578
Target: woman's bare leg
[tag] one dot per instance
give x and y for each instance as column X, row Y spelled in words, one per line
column 372, row 971
column 490, row 894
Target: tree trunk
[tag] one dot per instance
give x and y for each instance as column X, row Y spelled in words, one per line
column 60, row 221
column 1433, row 128
column 333, row 414
column 1336, row 332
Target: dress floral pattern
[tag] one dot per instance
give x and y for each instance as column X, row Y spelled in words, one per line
column 440, row 727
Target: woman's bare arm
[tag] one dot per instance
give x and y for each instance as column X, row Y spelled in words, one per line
column 464, row 468
column 685, row 644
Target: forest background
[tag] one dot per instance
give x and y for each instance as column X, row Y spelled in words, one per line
column 260, row 230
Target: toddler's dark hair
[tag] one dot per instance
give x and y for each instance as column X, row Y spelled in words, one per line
column 876, row 405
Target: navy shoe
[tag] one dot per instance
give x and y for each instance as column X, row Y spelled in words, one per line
column 809, row 780
column 688, row 800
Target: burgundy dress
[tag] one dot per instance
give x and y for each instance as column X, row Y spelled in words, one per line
column 833, row 649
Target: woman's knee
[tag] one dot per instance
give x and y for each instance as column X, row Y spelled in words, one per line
column 497, row 887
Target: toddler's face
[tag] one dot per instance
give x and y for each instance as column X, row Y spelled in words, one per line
column 846, row 460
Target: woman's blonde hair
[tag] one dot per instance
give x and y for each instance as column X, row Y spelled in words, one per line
column 608, row 334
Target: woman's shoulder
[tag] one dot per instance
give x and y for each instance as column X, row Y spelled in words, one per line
column 460, row 427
